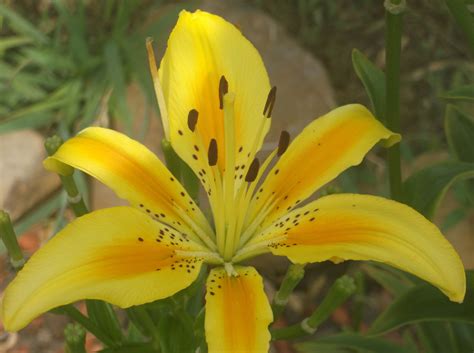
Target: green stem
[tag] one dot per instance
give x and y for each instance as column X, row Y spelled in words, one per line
column 293, row 276
column 75, row 199
column 358, row 300
column 464, row 19
column 339, row 292
column 393, row 36
column 10, row 240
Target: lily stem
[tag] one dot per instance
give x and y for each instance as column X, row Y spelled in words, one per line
column 293, row 276
column 8, row 236
column 75, row 199
column 393, row 25
column 339, row 292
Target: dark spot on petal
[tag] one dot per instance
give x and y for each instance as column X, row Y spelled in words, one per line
column 192, row 119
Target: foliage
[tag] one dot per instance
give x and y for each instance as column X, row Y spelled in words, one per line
column 67, row 64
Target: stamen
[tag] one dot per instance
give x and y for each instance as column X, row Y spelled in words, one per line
column 210, row 257
column 283, row 142
column 253, row 171
column 223, row 89
column 212, row 153
column 192, row 119
column 257, row 248
column 269, row 104
column 230, row 270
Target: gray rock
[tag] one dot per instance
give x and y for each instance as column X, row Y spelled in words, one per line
column 23, row 180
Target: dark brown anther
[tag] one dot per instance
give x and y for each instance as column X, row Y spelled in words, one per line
column 212, row 152
column 283, row 143
column 267, row 110
column 253, row 171
column 192, row 119
column 223, row 89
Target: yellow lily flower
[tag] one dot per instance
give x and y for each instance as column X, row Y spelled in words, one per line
column 217, row 102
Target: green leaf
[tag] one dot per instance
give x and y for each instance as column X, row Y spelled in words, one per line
column 425, row 189
column 117, row 77
column 54, row 100
column 394, row 281
column 172, row 330
column 103, row 315
column 425, row 303
column 50, row 60
column 351, row 343
column 13, row 41
column 131, row 348
column 21, row 25
column 464, row 18
column 46, row 209
column 445, row 336
column 459, row 128
column 373, row 80
column 462, row 93
column 76, row 26
column 29, row 121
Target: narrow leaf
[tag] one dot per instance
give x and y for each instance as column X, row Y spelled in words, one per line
column 393, row 281
column 373, row 80
column 21, row 26
column 425, row 189
column 459, row 128
column 347, row 342
column 425, row 303
column 462, row 93
column 13, row 41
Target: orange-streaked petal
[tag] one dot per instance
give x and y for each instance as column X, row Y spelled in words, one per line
column 134, row 173
column 324, row 149
column 201, row 49
column 119, row 255
column 237, row 312
column 363, row 227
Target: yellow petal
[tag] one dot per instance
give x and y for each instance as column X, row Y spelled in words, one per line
column 362, row 227
column 237, row 312
column 201, row 49
column 324, row 149
column 133, row 172
column 119, row 255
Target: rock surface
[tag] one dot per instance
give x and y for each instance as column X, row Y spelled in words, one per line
column 23, row 180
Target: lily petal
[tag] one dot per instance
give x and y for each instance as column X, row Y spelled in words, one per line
column 119, row 255
column 361, row 227
column 202, row 49
column 237, row 312
column 323, row 150
column 134, row 173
